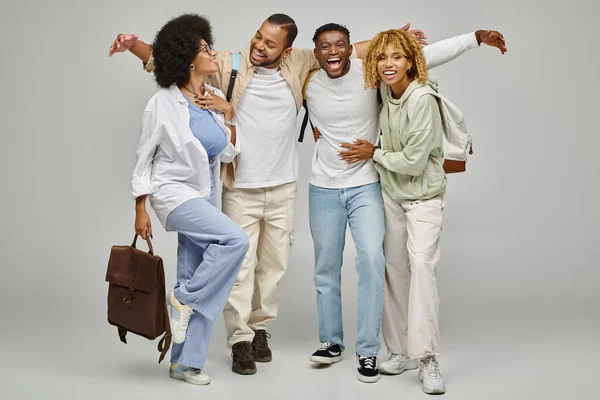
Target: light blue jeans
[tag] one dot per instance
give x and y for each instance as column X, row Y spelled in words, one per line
column 210, row 254
column 329, row 211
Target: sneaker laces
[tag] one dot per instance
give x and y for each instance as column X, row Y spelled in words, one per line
column 260, row 338
column 184, row 317
column 326, row 345
column 244, row 351
column 430, row 368
column 397, row 358
column 368, row 362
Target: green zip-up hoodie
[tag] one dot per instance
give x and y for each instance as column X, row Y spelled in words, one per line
column 410, row 161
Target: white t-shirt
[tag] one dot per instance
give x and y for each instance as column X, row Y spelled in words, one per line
column 266, row 128
column 343, row 110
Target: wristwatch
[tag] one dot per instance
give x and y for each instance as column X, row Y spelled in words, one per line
column 230, row 122
column 373, row 151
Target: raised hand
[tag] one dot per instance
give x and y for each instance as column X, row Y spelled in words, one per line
column 123, row 42
column 405, row 27
column 420, row 35
column 211, row 101
column 492, row 38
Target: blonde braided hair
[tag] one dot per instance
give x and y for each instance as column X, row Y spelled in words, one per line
column 402, row 42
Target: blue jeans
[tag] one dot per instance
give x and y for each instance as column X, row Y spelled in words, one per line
column 210, row 254
column 329, row 212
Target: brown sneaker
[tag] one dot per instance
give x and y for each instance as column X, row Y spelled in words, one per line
column 242, row 362
column 260, row 346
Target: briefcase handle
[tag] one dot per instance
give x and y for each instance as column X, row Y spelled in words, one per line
column 151, row 249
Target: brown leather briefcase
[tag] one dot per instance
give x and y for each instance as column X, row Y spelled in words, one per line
column 136, row 294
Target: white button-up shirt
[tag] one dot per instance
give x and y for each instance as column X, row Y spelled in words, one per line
column 172, row 166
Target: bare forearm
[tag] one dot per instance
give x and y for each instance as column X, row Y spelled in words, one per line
column 141, row 50
column 361, row 48
column 140, row 203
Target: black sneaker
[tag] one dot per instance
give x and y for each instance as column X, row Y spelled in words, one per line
column 260, row 346
column 241, row 359
column 328, row 353
column 367, row 369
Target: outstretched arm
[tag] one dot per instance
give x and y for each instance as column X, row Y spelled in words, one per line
column 125, row 42
column 361, row 47
column 447, row 50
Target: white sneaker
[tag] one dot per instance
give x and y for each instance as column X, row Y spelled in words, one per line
column 180, row 318
column 429, row 374
column 397, row 364
column 194, row 376
column 177, row 371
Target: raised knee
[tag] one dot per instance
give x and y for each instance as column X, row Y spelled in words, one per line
column 239, row 240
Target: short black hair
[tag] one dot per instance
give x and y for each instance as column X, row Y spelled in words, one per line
column 331, row 27
column 175, row 47
column 287, row 23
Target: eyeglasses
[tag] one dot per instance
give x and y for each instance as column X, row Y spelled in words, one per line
column 205, row 49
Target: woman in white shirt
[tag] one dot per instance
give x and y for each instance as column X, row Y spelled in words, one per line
column 187, row 130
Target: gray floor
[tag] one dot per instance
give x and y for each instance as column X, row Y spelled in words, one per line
column 510, row 351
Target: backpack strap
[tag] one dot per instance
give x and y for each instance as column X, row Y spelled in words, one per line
column 414, row 97
column 380, row 102
column 306, row 118
column 236, row 59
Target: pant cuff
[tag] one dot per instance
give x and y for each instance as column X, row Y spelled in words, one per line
column 367, row 354
column 189, row 364
column 240, row 340
column 418, row 356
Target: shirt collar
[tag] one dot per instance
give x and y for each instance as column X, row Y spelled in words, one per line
column 175, row 92
column 246, row 60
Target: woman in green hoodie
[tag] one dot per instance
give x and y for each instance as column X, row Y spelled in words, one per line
column 413, row 181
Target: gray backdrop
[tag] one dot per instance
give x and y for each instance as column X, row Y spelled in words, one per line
column 519, row 267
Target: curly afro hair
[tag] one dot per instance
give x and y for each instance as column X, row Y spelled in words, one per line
column 176, row 45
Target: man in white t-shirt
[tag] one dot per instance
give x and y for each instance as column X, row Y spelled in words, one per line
column 342, row 193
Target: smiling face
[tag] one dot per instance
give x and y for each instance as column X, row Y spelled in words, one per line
column 269, row 45
column 332, row 51
column 392, row 67
column 205, row 62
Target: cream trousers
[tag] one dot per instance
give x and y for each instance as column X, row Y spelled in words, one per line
column 267, row 215
column 412, row 252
